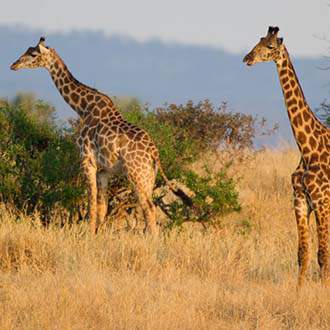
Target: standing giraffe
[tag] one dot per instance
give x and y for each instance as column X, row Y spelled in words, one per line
column 108, row 143
column 311, row 179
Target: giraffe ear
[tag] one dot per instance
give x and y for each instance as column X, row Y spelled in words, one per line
column 42, row 47
column 42, row 41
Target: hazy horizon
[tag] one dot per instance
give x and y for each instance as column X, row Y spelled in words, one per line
column 209, row 23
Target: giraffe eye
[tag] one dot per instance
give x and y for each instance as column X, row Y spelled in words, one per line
column 270, row 47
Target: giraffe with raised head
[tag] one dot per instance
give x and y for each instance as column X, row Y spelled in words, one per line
column 108, row 143
column 311, row 179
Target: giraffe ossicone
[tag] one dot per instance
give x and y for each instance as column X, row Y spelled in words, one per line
column 108, row 143
column 311, row 180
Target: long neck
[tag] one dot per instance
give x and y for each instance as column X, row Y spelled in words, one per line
column 307, row 129
column 83, row 99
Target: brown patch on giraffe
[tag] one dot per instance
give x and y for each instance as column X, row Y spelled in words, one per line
column 72, row 87
column 312, row 142
column 324, row 156
column 285, row 80
column 66, row 89
column 83, row 103
column 101, row 104
column 91, row 106
column 296, row 91
column 306, row 115
column 297, row 120
column 314, row 157
column 97, row 98
column 104, row 113
column 294, row 109
column 306, row 150
column 84, row 131
column 140, row 146
column 286, row 87
column 291, row 102
column 90, row 97
column 292, row 83
column 93, row 122
column 316, row 195
column 283, row 72
column 288, row 94
column 139, row 136
column 307, row 129
column 301, row 137
column 74, row 97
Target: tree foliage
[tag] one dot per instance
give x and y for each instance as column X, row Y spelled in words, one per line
column 40, row 166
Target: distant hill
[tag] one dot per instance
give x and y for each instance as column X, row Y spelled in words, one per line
column 158, row 72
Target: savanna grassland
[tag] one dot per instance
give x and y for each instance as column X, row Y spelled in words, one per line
column 238, row 275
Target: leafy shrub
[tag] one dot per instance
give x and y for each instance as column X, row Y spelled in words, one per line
column 39, row 164
column 183, row 134
column 212, row 128
column 215, row 195
column 40, row 167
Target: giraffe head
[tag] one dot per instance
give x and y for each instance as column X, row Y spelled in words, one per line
column 35, row 57
column 269, row 48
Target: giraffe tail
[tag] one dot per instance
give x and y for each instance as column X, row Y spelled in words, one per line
column 176, row 190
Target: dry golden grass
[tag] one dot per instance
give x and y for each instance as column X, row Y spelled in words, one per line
column 241, row 276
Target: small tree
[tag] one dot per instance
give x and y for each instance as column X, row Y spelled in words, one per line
column 39, row 164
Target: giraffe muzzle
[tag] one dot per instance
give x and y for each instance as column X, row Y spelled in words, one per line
column 248, row 60
column 14, row 66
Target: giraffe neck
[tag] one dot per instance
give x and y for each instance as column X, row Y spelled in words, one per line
column 83, row 99
column 305, row 126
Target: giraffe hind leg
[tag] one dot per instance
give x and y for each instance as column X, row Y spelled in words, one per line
column 149, row 212
column 144, row 184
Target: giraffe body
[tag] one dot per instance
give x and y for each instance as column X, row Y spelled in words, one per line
column 311, row 179
column 108, row 143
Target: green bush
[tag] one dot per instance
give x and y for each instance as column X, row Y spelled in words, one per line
column 40, row 167
column 39, row 164
column 182, row 136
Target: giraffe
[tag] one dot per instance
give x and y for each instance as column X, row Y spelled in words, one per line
column 108, row 144
column 311, row 179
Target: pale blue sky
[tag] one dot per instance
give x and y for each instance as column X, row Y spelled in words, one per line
column 232, row 25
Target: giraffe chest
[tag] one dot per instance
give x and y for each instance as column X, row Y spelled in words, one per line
column 99, row 145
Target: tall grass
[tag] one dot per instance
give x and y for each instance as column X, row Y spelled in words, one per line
column 240, row 275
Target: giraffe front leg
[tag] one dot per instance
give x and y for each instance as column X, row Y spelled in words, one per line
column 302, row 212
column 90, row 173
column 322, row 213
column 102, row 196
